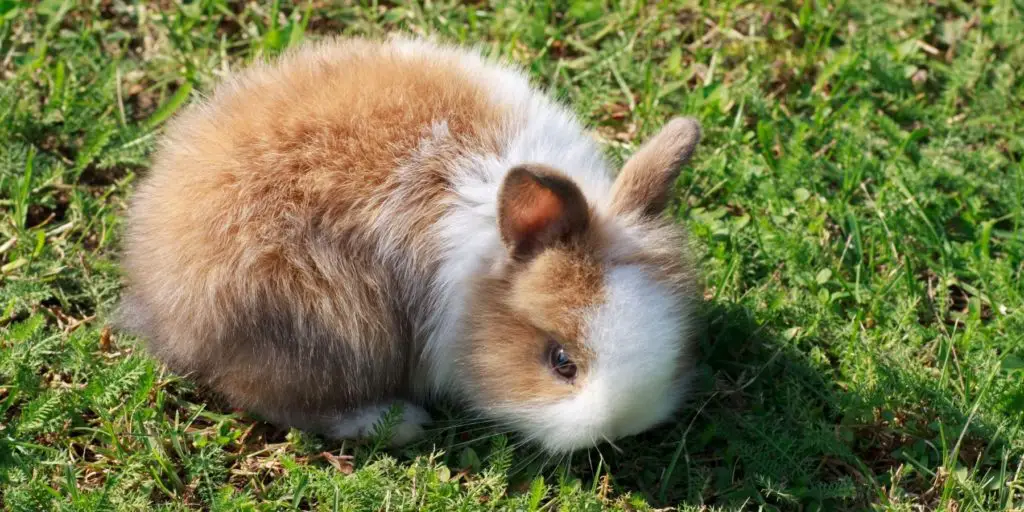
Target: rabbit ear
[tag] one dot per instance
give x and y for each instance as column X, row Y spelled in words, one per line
column 538, row 206
column 646, row 179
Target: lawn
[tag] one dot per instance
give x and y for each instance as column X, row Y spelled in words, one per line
column 856, row 206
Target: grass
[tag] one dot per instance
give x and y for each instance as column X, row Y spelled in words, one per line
column 857, row 206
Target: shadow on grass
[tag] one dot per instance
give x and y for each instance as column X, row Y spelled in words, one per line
column 760, row 427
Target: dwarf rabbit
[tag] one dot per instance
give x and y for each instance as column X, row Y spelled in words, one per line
column 360, row 223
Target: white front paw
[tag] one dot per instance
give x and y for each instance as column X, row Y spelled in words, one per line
column 363, row 424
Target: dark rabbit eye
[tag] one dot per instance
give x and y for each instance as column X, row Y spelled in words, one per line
column 560, row 362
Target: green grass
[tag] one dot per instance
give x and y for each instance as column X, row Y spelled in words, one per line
column 857, row 206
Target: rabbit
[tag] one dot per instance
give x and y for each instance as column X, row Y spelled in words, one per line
column 363, row 224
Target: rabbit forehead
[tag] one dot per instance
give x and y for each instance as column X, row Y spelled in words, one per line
column 557, row 291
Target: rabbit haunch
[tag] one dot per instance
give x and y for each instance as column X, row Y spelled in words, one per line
column 361, row 223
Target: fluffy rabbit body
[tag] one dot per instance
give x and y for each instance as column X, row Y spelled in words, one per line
column 361, row 223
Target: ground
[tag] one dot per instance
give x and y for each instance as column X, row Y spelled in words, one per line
column 856, row 207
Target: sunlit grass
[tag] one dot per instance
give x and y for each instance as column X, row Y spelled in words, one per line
column 857, row 206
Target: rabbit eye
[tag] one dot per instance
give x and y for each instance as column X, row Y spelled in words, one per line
column 560, row 361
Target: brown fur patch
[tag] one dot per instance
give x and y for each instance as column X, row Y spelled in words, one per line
column 556, row 290
column 254, row 246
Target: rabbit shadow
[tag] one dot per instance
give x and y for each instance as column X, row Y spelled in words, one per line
column 755, row 420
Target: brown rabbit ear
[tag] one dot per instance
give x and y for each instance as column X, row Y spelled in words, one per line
column 538, row 206
column 646, row 179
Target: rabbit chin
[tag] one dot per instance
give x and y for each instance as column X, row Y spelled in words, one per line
column 638, row 378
